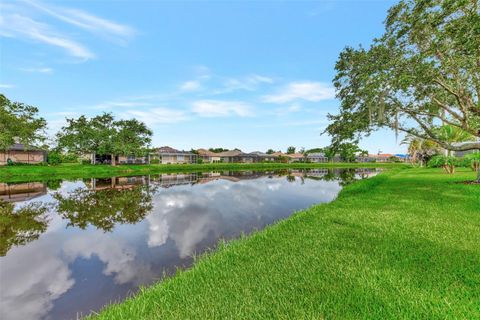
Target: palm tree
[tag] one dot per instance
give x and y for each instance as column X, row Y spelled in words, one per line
column 420, row 149
column 451, row 134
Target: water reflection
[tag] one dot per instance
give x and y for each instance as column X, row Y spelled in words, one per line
column 95, row 241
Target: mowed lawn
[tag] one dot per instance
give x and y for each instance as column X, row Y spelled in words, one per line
column 402, row 245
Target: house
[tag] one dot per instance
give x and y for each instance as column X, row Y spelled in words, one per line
column 464, row 153
column 23, row 154
column 317, row 157
column 168, row 155
column 264, row 156
column 230, row 156
column 22, row 191
column 208, row 156
column 296, row 157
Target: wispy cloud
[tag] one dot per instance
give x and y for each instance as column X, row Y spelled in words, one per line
column 308, row 91
column 20, row 22
column 38, row 70
column 85, row 20
column 219, row 108
column 192, row 85
column 159, row 115
column 18, row 26
column 6, row 86
column 248, row 83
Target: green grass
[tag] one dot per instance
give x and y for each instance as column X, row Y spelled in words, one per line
column 402, row 245
column 72, row 171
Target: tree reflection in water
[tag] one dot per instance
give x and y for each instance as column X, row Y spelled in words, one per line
column 19, row 227
column 105, row 207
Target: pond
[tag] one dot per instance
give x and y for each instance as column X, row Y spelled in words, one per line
column 70, row 247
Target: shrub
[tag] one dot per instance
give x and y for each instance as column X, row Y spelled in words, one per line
column 54, row 158
column 86, row 161
column 472, row 161
column 154, row 161
column 199, row 161
column 448, row 163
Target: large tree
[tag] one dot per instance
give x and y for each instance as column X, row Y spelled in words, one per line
column 104, row 135
column 421, row 74
column 19, row 122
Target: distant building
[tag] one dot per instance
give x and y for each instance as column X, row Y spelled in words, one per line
column 317, row 157
column 23, row 154
column 464, row 153
column 208, row 156
column 168, row 155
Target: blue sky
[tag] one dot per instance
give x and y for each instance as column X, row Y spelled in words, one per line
column 247, row 74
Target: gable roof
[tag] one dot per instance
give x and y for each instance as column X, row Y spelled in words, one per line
column 230, row 153
column 170, row 150
column 208, row 153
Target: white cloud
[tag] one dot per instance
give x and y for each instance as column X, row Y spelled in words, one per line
column 6, row 86
column 308, row 91
column 218, row 108
column 248, row 83
column 18, row 26
column 192, row 85
column 17, row 21
column 86, row 20
column 160, row 115
column 38, row 70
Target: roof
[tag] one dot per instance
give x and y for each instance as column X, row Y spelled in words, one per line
column 22, row 147
column 278, row 154
column 230, row 153
column 208, row 153
column 295, row 155
column 170, row 150
column 261, row 154
column 316, row 155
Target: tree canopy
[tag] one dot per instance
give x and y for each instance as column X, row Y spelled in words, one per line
column 19, row 121
column 421, row 74
column 104, row 135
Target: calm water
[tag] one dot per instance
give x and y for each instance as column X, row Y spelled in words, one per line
column 69, row 247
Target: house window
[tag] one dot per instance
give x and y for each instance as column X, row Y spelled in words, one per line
column 180, row 158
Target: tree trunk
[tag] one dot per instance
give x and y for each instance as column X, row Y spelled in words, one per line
column 113, row 160
column 93, row 157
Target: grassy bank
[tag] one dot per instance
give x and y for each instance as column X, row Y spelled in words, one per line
column 71, row 171
column 402, row 245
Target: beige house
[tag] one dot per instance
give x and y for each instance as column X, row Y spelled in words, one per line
column 208, row 156
column 168, row 155
column 23, row 154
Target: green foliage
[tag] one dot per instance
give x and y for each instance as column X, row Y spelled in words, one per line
column 154, row 161
column 18, row 227
column 348, row 151
column 217, row 150
column 104, row 135
column 104, row 208
column 472, row 161
column 421, row 73
column 19, row 121
column 54, row 158
column 448, row 163
column 291, row 150
column 199, row 160
column 270, row 151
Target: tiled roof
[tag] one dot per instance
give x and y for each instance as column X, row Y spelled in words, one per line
column 230, row 153
column 208, row 153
